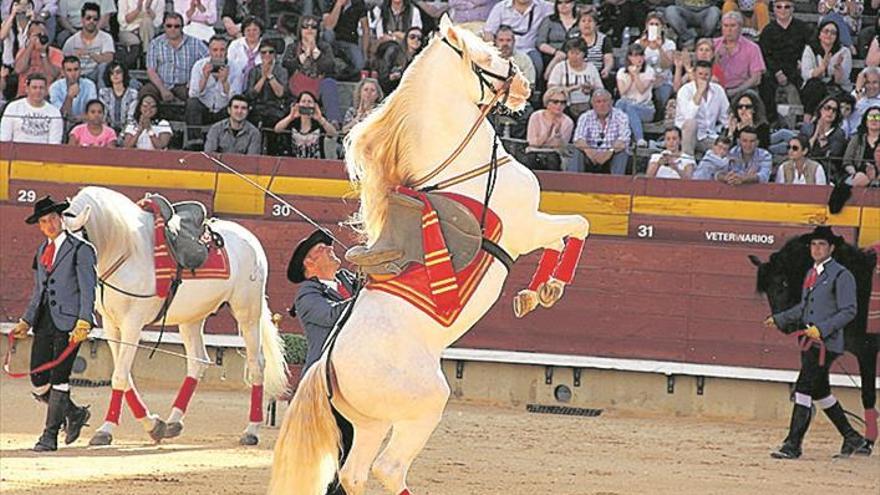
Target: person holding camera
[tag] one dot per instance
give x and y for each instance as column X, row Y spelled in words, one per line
column 307, row 126
column 13, row 29
column 671, row 163
column 209, row 89
column 37, row 57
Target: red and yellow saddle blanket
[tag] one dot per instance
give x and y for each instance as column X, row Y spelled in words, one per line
column 434, row 287
column 215, row 267
column 874, row 303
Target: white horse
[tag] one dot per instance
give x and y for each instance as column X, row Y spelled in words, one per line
column 385, row 367
column 122, row 234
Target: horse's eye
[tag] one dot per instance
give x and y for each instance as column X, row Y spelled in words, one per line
column 785, row 284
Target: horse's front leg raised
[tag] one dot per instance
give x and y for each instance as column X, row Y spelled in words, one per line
column 194, row 343
column 558, row 261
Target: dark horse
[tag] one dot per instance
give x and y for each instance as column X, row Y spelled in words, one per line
column 781, row 279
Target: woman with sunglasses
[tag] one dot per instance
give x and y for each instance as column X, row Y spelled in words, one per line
column 825, row 66
column 396, row 57
column 748, row 111
column 548, row 128
column 859, row 164
column 312, row 67
column 825, row 135
column 799, row 169
column 118, row 97
column 553, row 31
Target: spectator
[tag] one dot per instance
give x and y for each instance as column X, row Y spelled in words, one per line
column 366, row 97
column 553, row 31
column 548, row 128
column 799, row 169
column 671, row 163
column 14, row 28
column 138, row 22
column 268, row 93
column 471, row 10
column 199, row 17
column 393, row 20
column 755, row 13
column 827, row 140
column 505, row 42
column 847, row 104
column 872, row 57
column 634, row 83
column 170, row 60
column 93, row 47
column 603, row 137
column 867, row 94
column 348, row 28
column 748, row 111
column 93, row 132
column 396, row 58
column 32, row 119
column 684, row 67
column 70, row 17
column 235, row 134
column 749, row 163
column 599, row 50
column 307, row 126
column 311, row 67
column 244, row 54
column 576, row 77
column 740, row 58
column 37, row 57
column 782, row 44
column 4, row 85
column 33, row 10
column 619, row 15
column 71, row 93
column 693, row 18
column 825, row 68
column 524, row 16
column 715, row 162
column 118, row 97
column 210, row 89
column 846, row 15
column 659, row 57
column 147, row 131
column 859, row 165
column 236, row 11
column 701, row 106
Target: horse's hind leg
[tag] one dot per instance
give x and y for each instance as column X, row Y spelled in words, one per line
column 368, row 436
column 194, row 343
column 408, row 438
column 249, row 327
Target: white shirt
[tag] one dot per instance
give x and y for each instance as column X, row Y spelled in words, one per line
column 525, row 25
column 710, row 114
column 127, row 6
column 564, row 75
column 800, row 178
column 144, row 142
column 821, row 266
column 23, row 123
column 379, row 28
column 666, row 172
column 237, row 58
column 333, row 284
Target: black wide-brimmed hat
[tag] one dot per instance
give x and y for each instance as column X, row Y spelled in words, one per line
column 295, row 272
column 44, row 206
column 825, row 232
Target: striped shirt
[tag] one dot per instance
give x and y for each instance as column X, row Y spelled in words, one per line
column 174, row 65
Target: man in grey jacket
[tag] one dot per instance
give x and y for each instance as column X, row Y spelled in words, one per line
column 323, row 294
column 827, row 305
column 61, row 312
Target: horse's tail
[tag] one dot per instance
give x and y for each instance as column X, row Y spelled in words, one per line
column 307, row 450
column 275, row 378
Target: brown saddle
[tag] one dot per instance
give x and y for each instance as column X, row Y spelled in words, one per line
column 185, row 226
column 400, row 242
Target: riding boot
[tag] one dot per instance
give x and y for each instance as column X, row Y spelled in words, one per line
column 853, row 442
column 54, row 418
column 800, row 422
column 75, row 417
column 41, row 398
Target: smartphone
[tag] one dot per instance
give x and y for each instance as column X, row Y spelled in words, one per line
column 653, row 33
column 306, row 111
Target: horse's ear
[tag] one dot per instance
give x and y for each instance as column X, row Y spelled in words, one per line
column 447, row 30
column 755, row 260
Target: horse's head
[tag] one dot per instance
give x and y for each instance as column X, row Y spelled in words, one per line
column 107, row 218
column 75, row 220
column 781, row 277
column 494, row 79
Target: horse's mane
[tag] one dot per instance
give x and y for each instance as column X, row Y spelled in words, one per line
column 381, row 152
column 120, row 218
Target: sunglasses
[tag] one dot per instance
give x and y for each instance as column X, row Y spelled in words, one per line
column 794, row 148
column 415, row 37
column 267, row 52
column 830, row 107
column 558, row 102
column 783, row 6
column 874, row 116
column 564, row 1
column 173, row 26
column 747, row 106
column 310, row 25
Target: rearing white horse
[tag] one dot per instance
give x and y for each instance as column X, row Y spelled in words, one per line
column 123, row 235
column 386, row 362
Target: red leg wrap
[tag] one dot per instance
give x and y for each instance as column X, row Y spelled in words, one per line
column 256, row 404
column 871, row 424
column 405, row 492
column 568, row 262
column 115, row 407
column 545, row 267
column 138, row 409
column 186, row 392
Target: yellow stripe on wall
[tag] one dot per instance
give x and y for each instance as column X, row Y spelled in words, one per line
column 869, row 232
column 756, row 211
column 309, row 186
column 104, row 175
column 4, row 180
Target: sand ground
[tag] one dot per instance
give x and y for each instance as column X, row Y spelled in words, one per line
column 475, row 450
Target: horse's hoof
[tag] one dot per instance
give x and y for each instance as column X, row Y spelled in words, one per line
column 101, row 438
column 249, row 439
column 158, row 431
column 524, row 302
column 173, row 429
column 550, row 291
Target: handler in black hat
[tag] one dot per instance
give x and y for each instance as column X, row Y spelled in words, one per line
column 828, row 304
column 61, row 313
column 324, row 291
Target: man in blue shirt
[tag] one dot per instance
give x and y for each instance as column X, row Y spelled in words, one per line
column 71, row 93
column 749, row 164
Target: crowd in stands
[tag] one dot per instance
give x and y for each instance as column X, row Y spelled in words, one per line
column 737, row 91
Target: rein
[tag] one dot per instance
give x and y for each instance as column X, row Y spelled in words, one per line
column 71, row 346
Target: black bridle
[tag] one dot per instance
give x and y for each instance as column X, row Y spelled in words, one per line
column 483, row 76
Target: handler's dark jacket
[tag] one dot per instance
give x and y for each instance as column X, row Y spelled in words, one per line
column 69, row 289
column 318, row 307
column 830, row 305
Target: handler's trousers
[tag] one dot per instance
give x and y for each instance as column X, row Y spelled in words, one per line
column 49, row 343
